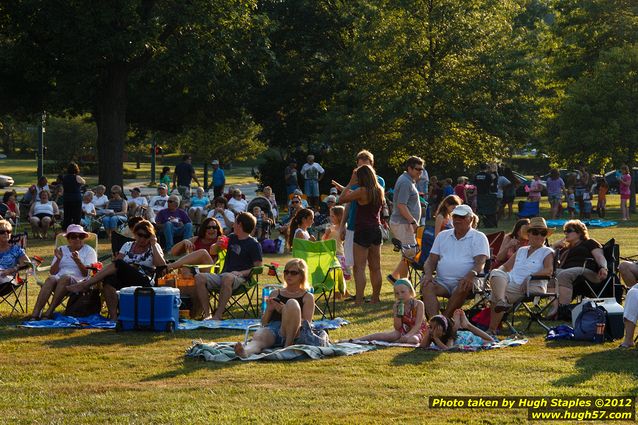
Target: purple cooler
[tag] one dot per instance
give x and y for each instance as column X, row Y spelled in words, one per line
column 149, row 308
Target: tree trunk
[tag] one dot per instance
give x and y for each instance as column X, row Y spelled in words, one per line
column 111, row 125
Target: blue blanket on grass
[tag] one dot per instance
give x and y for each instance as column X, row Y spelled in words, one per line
column 589, row 223
column 96, row 321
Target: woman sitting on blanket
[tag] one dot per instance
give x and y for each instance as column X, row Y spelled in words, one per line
column 287, row 308
column 409, row 317
column 458, row 331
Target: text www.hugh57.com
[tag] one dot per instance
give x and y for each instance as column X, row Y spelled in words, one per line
column 587, row 415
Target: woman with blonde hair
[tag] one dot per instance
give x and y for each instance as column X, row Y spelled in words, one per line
column 287, row 309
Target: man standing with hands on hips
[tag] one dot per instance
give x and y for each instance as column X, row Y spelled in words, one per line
column 406, row 213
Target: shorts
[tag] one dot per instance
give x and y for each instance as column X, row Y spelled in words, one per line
column 214, row 281
column 185, row 192
column 44, row 215
column 451, row 287
column 513, row 292
column 631, row 305
column 403, row 232
column 554, row 198
column 275, row 328
column 368, row 237
column 312, row 188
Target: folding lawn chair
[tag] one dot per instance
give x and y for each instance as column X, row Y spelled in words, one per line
column 608, row 288
column 11, row 291
column 424, row 236
column 325, row 271
column 528, row 209
column 249, row 291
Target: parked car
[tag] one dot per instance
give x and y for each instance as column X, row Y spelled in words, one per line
column 5, row 181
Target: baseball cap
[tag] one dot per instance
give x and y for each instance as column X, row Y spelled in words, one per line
column 333, row 191
column 462, row 210
column 162, row 186
column 215, row 162
column 331, row 198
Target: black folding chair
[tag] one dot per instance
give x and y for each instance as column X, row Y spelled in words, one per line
column 11, row 291
column 608, row 288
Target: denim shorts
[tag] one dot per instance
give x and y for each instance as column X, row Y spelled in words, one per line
column 275, row 328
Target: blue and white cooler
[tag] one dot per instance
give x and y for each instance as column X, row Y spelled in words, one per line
column 148, row 308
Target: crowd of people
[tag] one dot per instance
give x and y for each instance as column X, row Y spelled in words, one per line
column 195, row 227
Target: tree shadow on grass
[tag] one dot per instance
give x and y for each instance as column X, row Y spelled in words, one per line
column 134, row 338
column 415, row 356
column 189, row 366
column 600, row 362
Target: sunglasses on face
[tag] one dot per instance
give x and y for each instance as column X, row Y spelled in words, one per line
column 566, row 231
column 143, row 235
column 294, row 202
column 75, row 236
column 5, row 232
column 292, row 272
column 418, row 168
column 212, row 227
column 171, row 202
column 537, row 232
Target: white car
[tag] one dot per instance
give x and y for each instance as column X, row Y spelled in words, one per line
column 5, row 181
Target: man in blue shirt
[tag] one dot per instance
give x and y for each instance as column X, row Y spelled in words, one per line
column 219, row 179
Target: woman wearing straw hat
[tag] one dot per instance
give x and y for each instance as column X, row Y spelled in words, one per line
column 70, row 264
column 509, row 281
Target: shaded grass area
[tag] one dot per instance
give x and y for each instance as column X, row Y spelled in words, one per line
column 92, row 376
column 24, row 172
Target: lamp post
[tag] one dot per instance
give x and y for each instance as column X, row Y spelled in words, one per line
column 153, row 159
column 41, row 131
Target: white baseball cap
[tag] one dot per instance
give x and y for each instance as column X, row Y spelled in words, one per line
column 462, row 210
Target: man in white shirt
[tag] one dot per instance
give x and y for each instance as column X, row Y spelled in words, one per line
column 158, row 202
column 237, row 204
column 312, row 173
column 458, row 255
column 137, row 203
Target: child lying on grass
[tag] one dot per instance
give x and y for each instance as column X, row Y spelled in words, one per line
column 446, row 333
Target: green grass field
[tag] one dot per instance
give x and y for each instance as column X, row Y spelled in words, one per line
column 84, row 376
column 24, row 172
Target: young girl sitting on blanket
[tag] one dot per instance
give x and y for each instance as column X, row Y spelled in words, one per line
column 409, row 317
column 287, row 308
column 447, row 333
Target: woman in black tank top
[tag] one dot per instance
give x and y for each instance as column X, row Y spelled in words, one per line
column 367, row 231
column 287, row 308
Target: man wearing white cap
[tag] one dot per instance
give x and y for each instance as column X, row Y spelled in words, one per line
column 458, row 255
column 159, row 201
column 219, row 179
column 137, row 204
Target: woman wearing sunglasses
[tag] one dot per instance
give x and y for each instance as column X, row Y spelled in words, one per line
column 576, row 251
column 209, row 232
column 509, row 281
column 134, row 265
column 287, row 309
column 69, row 266
column 12, row 257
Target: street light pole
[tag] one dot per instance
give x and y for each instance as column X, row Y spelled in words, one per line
column 153, row 159
column 41, row 131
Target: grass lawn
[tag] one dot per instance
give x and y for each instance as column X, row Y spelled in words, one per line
column 74, row 376
column 24, row 172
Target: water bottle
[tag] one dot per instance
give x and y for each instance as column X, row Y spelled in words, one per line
column 400, row 309
column 265, row 295
column 600, row 333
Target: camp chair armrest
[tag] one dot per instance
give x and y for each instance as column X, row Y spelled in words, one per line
column 256, row 271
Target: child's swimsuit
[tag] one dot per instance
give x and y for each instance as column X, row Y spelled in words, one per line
column 408, row 321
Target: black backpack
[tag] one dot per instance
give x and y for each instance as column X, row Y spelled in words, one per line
column 588, row 318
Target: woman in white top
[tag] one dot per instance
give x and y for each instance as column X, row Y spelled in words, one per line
column 299, row 226
column 134, row 265
column 41, row 214
column 70, row 264
column 225, row 216
column 237, row 204
column 509, row 282
column 100, row 199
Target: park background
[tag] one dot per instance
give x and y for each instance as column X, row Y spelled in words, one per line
column 455, row 82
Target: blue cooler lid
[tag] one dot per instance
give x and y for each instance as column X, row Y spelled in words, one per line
column 161, row 290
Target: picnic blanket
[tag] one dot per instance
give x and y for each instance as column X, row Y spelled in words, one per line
column 243, row 324
column 96, row 321
column 222, row 352
column 511, row 342
column 588, row 223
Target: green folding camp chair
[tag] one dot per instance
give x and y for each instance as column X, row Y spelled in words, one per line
column 249, row 290
column 326, row 274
